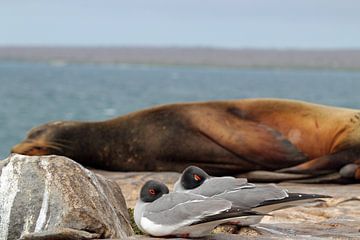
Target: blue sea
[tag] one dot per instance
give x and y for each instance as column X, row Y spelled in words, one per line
column 33, row 93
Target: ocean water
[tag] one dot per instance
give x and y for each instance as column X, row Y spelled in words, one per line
column 35, row 93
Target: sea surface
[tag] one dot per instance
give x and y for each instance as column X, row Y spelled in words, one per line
column 33, row 93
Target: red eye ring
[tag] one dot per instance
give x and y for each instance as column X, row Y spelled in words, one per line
column 197, row 177
column 152, row 191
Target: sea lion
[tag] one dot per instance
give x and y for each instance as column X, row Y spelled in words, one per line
column 222, row 137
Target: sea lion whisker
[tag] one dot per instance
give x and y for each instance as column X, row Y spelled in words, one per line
column 30, row 141
column 56, row 146
column 60, row 141
column 48, row 145
column 45, row 144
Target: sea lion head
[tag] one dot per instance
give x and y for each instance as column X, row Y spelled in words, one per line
column 47, row 139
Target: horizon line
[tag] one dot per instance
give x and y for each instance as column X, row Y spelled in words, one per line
column 37, row 46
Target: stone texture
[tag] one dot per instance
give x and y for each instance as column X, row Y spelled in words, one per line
column 53, row 197
column 3, row 163
column 336, row 218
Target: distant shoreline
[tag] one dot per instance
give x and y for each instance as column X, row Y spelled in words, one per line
column 208, row 57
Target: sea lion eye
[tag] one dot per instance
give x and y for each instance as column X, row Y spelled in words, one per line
column 38, row 148
column 152, row 191
column 197, row 177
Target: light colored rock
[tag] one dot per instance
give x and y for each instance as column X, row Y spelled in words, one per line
column 3, row 163
column 53, row 197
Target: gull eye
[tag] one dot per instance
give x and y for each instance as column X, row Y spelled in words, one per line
column 197, row 177
column 152, row 191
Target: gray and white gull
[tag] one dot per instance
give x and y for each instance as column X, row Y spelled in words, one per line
column 160, row 213
column 263, row 198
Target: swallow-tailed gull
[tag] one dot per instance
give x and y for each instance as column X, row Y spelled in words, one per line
column 247, row 196
column 160, row 213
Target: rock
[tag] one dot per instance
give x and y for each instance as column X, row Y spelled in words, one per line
column 53, row 197
column 227, row 228
column 3, row 163
column 336, row 218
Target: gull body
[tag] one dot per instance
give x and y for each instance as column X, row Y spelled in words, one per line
column 160, row 213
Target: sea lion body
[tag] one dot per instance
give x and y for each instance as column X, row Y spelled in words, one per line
column 222, row 137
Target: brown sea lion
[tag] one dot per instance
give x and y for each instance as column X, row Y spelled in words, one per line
column 222, row 137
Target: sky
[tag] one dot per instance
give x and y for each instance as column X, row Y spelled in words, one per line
column 199, row 23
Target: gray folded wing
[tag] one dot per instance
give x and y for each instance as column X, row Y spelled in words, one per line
column 248, row 198
column 183, row 209
column 219, row 185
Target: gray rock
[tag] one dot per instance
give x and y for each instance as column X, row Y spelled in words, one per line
column 53, row 197
column 3, row 163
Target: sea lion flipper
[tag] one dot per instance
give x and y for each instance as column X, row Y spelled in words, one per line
column 272, row 176
column 326, row 164
column 255, row 142
column 351, row 170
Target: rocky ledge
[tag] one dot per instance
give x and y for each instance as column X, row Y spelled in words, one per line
column 53, row 197
column 336, row 218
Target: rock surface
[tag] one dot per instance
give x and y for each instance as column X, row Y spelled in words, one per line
column 53, row 197
column 336, row 218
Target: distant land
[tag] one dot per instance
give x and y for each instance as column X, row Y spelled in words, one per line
column 236, row 58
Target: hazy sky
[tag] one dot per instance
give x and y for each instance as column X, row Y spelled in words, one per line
column 218, row 23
